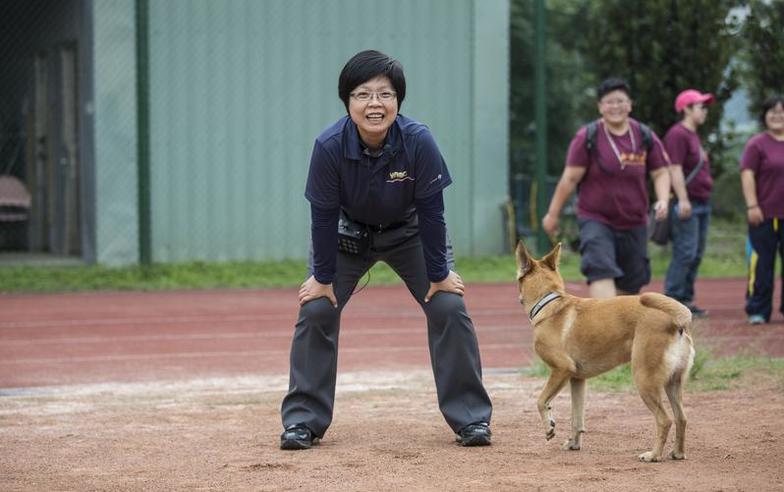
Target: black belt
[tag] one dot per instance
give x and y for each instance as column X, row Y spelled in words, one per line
column 379, row 228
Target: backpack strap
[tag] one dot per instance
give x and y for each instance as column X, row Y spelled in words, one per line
column 696, row 169
column 590, row 135
column 647, row 136
column 590, row 144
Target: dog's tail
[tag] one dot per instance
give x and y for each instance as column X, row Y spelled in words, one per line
column 680, row 314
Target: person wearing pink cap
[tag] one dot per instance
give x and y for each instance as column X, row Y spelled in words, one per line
column 692, row 184
column 762, row 177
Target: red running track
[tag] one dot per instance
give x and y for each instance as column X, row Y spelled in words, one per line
column 133, row 336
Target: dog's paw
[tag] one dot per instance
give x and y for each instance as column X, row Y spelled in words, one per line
column 649, row 457
column 677, row 455
column 571, row 445
column 550, row 430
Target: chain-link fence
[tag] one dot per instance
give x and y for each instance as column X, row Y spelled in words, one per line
column 206, row 110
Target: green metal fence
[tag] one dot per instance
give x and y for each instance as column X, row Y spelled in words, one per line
column 193, row 120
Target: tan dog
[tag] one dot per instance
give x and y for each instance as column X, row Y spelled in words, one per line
column 581, row 338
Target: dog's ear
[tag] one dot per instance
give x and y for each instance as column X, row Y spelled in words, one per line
column 523, row 259
column 552, row 258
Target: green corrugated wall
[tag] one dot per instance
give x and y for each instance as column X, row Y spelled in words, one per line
column 239, row 89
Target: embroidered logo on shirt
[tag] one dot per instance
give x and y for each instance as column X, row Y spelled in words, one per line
column 399, row 176
column 634, row 158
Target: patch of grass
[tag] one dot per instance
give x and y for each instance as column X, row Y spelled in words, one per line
column 537, row 369
column 724, row 258
column 289, row 273
column 195, row 275
column 708, row 373
column 618, row 379
column 701, row 358
column 731, row 372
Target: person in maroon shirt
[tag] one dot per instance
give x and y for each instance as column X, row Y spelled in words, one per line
column 762, row 178
column 612, row 205
column 692, row 184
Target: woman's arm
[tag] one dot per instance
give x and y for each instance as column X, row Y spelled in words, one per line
column 324, row 234
column 432, row 232
column 749, row 184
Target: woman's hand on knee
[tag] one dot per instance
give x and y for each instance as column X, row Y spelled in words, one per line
column 452, row 283
column 312, row 289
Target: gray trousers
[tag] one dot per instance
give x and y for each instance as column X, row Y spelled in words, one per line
column 454, row 351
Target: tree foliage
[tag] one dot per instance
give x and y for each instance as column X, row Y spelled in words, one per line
column 566, row 82
column 662, row 47
column 764, row 53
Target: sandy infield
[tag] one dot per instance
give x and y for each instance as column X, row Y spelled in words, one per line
column 222, row 434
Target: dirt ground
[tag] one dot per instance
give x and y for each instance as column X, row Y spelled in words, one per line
column 222, row 434
column 182, row 390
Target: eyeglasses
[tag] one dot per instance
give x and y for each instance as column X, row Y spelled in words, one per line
column 365, row 96
column 616, row 102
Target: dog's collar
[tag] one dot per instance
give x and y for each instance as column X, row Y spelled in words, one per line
column 550, row 297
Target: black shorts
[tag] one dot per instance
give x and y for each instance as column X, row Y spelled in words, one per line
column 611, row 253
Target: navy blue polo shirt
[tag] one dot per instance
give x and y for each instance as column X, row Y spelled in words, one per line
column 375, row 189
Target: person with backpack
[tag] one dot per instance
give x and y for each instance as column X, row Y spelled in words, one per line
column 607, row 163
column 692, row 184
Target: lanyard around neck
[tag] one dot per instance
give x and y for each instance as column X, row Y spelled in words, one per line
column 615, row 147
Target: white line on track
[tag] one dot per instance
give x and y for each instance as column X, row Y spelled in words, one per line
column 224, row 354
column 225, row 319
column 287, row 334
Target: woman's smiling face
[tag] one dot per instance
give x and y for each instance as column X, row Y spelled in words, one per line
column 774, row 119
column 375, row 115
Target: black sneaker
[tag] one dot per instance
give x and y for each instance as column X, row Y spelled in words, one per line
column 297, row 437
column 697, row 312
column 477, row 434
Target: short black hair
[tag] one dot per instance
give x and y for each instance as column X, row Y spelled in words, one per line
column 612, row 84
column 367, row 65
column 769, row 104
